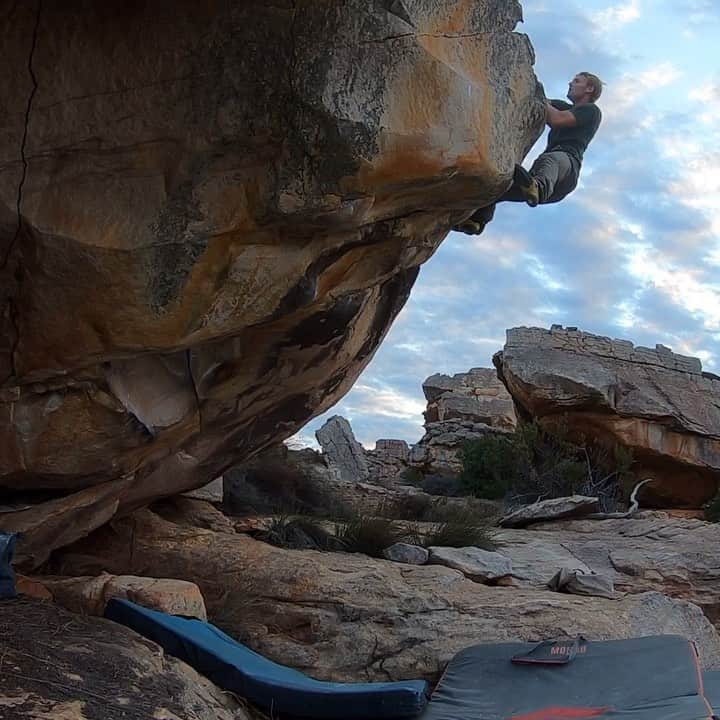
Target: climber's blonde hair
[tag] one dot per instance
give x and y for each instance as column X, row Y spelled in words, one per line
column 597, row 84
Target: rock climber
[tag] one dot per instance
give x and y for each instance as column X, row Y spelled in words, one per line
column 556, row 171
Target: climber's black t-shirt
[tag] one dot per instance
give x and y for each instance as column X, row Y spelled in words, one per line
column 574, row 140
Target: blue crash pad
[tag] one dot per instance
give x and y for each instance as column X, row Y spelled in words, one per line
column 273, row 687
column 7, row 576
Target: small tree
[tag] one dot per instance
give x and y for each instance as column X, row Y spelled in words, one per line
column 491, row 465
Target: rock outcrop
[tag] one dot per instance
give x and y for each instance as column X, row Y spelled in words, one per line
column 90, row 595
column 388, row 461
column 660, row 405
column 477, row 395
column 349, row 617
column 210, row 215
column 342, row 451
column 57, row 665
column 439, row 449
column 460, row 408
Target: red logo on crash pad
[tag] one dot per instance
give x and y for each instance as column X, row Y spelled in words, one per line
column 561, row 713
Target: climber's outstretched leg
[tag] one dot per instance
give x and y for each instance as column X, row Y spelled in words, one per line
column 552, row 177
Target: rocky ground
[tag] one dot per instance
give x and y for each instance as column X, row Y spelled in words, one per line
column 347, row 616
column 58, row 665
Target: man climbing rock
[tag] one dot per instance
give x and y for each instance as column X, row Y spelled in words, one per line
column 556, row 171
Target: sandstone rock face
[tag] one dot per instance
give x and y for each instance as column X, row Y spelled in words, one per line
column 387, row 461
column 210, row 214
column 478, row 396
column 342, row 450
column 460, row 408
column 59, row 665
column 281, row 479
column 349, row 617
column 655, row 402
column 90, row 595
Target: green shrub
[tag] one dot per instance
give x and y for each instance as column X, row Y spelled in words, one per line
column 298, row 533
column 459, row 535
column 412, row 476
column 491, row 466
column 413, row 506
column 368, row 535
column 712, row 509
column 534, row 463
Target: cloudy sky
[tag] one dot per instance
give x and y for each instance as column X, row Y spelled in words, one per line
column 634, row 253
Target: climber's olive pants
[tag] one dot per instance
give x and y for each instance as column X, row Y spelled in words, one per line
column 556, row 174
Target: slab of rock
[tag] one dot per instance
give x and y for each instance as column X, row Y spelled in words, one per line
column 90, row 595
column 342, row 450
column 58, row 665
column 212, row 492
column 478, row 396
column 405, row 553
column 194, row 513
column 656, row 403
column 349, row 617
column 474, row 563
column 673, row 556
column 202, row 244
column 552, row 509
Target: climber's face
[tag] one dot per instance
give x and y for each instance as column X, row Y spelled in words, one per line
column 579, row 87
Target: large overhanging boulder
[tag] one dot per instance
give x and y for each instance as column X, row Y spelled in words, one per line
column 210, row 214
column 652, row 401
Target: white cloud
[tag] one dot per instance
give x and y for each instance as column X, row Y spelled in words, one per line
column 682, row 286
column 537, row 269
column 617, row 15
column 633, row 87
column 301, row 440
column 383, row 400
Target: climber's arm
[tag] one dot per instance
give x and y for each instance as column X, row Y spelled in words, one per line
column 559, row 118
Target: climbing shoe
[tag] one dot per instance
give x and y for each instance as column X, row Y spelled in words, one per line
column 476, row 223
column 527, row 185
column 469, row 227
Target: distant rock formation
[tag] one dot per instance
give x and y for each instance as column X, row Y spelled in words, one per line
column 659, row 404
column 388, row 460
column 460, row 408
column 477, row 395
column 210, row 215
column 342, row 450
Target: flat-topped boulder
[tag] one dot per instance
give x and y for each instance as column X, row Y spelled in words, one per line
column 656, row 403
